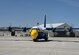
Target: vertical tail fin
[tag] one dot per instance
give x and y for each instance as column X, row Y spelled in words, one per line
column 45, row 21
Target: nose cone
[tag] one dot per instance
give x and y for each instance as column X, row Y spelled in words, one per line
column 34, row 34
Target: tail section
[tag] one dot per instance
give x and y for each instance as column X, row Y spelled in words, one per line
column 45, row 21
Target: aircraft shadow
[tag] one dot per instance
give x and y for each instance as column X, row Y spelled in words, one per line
column 44, row 41
column 50, row 41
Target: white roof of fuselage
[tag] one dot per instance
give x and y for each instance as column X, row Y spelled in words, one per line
column 49, row 25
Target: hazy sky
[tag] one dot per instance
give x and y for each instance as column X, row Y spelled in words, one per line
column 29, row 12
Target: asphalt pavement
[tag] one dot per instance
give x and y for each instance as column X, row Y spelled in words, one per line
column 25, row 46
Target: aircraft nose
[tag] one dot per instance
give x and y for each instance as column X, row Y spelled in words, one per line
column 34, row 34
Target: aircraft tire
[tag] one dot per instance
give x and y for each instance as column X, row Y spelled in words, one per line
column 34, row 40
column 46, row 39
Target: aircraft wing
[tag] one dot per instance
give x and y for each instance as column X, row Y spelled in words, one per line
column 69, row 29
column 75, row 28
column 26, row 28
column 55, row 28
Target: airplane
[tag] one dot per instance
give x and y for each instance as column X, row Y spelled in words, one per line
column 37, row 32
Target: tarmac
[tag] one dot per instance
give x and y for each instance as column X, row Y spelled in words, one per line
column 25, row 46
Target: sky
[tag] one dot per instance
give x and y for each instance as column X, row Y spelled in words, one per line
column 29, row 12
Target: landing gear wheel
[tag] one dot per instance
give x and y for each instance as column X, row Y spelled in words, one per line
column 34, row 40
column 46, row 39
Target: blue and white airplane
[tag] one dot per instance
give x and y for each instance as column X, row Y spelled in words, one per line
column 38, row 32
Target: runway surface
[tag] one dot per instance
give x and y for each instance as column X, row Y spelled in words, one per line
column 25, row 46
